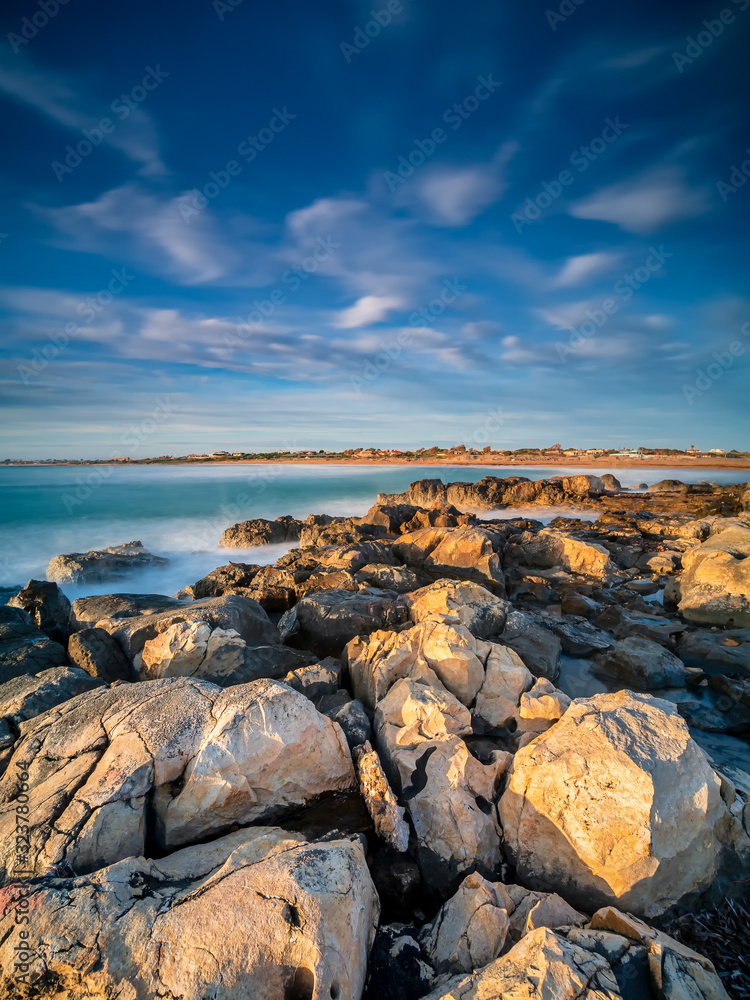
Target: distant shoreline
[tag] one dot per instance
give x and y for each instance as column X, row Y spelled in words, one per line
column 666, row 462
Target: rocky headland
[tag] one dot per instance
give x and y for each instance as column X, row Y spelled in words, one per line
column 426, row 753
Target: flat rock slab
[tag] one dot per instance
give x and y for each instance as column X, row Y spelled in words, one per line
column 101, row 565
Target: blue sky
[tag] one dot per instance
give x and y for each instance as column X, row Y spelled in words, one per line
column 252, row 225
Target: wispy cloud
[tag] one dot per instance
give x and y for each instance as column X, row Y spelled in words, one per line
column 578, row 270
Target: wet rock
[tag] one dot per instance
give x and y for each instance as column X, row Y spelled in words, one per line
column 95, row 651
column 725, row 652
column 182, row 758
column 549, row 549
column 483, row 614
column 581, row 810
column 641, row 664
column 260, row 531
column 102, row 565
column 256, row 916
column 623, row 624
column 577, row 635
column 387, row 816
column 29, row 695
column 464, row 553
column 25, row 649
column 560, row 970
column 327, row 621
column 87, row 611
column 47, row 606
column 715, row 583
column 575, row 603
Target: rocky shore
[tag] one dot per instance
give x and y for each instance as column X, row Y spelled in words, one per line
column 425, row 754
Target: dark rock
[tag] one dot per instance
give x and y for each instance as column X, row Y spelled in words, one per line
column 96, row 652
column 229, row 579
column 578, row 636
column 326, row 620
column 87, row 611
column 48, row 607
column 350, row 715
column 726, row 652
column 25, row 649
column 29, row 695
column 398, row 968
column 397, row 578
column 317, row 679
column 575, row 603
column 623, row 623
column 641, row 664
column 261, row 531
column 538, row 647
column 398, row 881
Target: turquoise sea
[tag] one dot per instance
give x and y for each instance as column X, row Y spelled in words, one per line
column 181, row 511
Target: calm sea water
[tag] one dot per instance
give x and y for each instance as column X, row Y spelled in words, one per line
column 181, row 511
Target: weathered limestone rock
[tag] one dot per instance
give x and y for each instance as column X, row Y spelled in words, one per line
column 327, row 620
column 615, row 803
column 538, row 647
column 543, row 702
column 542, row 965
column 187, row 758
column 549, row 548
column 95, row 651
column 387, row 816
column 397, row 578
column 25, row 649
column 29, row 695
column 715, row 583
column 506, row 679
column 389, row 517
column 87, row 611
column 354, row 557
column 230, row 612
column 481, row 612
column 470, row 930
column 641, row 664
column 421, row 712
column 316, row 680
column 48, row 607
column 260, row 531
column 255, row 916
column 101, row 565
column 465, row 553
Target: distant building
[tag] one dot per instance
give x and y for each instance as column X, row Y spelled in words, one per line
column 716, row 451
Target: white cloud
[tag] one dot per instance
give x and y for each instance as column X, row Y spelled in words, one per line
column 51, row 95
column 367, row 310
column 578, row 270
column 646, row 203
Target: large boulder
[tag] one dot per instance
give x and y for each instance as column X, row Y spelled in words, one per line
column 195, row 649
column 548, row 549
column 25, row 649
column 542, row 966
column 326, row 620
column 715, row 583
column 102, row 565
column 483, row 613
column 616, row 804
column 241, row 614
column 641, row 664
column 466, row 553
column 255, row 916
column 260, row 531
column 48, row 607
column 87, row 611
column 182, row 759
column 233, row 578
column 95, row 651
column 397, row 578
